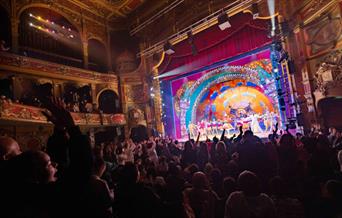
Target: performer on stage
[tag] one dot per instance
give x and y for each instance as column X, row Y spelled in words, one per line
column 255, row 127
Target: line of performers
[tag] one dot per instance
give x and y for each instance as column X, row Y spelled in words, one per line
column 258, row 123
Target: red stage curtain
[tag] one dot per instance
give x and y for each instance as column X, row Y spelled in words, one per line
column 214, row 45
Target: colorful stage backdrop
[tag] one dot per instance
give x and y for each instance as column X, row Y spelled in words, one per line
column 233, row 93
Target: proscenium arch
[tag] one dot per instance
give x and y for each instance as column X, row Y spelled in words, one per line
column 66, row 16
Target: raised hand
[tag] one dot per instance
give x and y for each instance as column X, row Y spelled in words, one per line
column 56, row 112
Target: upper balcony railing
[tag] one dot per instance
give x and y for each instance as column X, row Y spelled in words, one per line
column 28, row 65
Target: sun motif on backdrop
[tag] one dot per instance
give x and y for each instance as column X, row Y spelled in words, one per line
column 233, row 100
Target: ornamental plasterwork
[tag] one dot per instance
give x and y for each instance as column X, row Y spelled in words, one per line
column 329, row 73
column 18, row 112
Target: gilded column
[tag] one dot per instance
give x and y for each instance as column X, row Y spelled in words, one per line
column 108, row 48
column 93, row 93
column 85, row 54
column 15, row 33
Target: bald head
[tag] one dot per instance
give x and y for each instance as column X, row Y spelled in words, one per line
column 8, row 148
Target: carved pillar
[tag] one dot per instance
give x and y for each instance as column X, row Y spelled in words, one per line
column 108, row 48
column 15, row 33
column 93, row 93
column 85, row 54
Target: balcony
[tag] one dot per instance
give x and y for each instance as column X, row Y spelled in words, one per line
column 10, row 111
column 31, row 66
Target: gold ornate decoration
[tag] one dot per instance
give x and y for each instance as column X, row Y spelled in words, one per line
column 17, row 112
column 329, row 73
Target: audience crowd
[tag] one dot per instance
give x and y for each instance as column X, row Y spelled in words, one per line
column 240, row 177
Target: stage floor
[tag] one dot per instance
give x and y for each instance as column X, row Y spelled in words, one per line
column 263, row 135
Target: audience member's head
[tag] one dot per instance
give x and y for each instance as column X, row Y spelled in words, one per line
column 188, row 146
column 287, row 140
column 216, row 176
column 229, row 185
column 128, row 174
column 249, row 183
column 8, row 148
column 220, row 147
column 248, row 135
column 34, row 167
column 333, row 190
column 277, row 187
column 203, row 147
column 99, row 166
column 199, row 180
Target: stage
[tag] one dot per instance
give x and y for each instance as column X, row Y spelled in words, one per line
column 241, row 92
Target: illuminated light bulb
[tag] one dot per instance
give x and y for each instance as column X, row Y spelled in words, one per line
column 53, row 31
column 71, row 36
column 39, row 18
column 52, row 22
column 31, row 15
column 275, row 70
column 63, row 27
column 47, row 21
column 31, row 24
column 69, row 29
column 39, row 27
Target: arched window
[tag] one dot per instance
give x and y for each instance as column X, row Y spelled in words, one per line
column 109, row 102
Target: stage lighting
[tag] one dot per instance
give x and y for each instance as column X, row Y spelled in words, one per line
column 255, row 10
column 275, row 70
column 31, row 15
column 223, row 21
column 168, row 48
column 31, row 24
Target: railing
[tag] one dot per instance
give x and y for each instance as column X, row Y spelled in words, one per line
column 33, row 66
column 23, row 113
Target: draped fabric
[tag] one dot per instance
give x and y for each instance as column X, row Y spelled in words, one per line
column 214, row 45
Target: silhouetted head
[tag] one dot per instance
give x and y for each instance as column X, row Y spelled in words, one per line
column 277, row 186
column 287, row 140
column 128, row 174
column 248, row 134
column 249, row 183
column 229, row 185
column 34, row 167
column 199, row 180
column 188, row 146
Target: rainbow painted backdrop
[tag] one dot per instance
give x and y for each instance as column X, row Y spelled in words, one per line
column 225, row 92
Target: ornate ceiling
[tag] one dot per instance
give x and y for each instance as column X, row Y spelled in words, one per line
column 110, row 9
